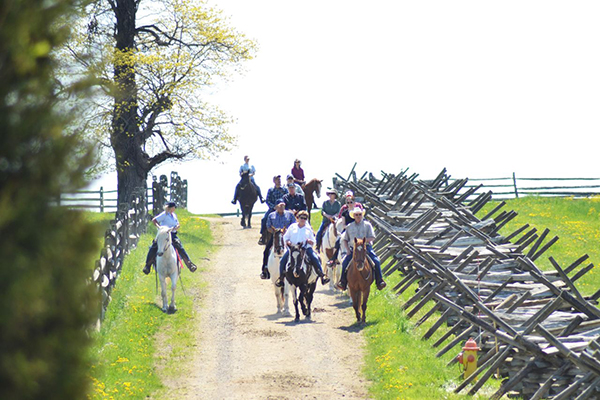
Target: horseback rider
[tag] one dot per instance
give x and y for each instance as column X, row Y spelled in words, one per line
column 360, row 228
column 350, row 205
column 329, row 210
column 298, row 173
column 293, row 201
column 246, row 167
column 273, row 195
column 169, row 219
column 278, row 219
column 300, row 233
column 290, row 179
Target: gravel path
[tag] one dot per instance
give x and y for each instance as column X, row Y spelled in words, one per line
column 247, row 351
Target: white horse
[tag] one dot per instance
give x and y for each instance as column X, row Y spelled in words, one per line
column 282, row 294
column 166, row 265
column 330, row 236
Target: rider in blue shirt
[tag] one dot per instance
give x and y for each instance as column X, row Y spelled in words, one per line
column 278, row 219
column 169, row 219
column 251, row 170
column 273, row 195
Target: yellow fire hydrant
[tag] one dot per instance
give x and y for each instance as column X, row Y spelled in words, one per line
column 468, row 357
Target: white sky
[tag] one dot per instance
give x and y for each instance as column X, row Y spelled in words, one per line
column 482, row 88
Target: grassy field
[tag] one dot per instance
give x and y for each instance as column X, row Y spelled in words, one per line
column 128, row 351
column 402, row 366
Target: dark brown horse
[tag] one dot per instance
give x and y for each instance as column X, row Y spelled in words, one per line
column 310, row 188
column 360, row 278
column 247, row 197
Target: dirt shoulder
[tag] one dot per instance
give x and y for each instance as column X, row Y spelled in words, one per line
column 247, row 351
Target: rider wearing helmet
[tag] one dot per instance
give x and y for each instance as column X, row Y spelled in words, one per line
column 278, row 219
column 358, row 229
column 169, row 219
column 300, row 233
column 252, row 171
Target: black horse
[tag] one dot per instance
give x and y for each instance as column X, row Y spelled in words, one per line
column 247, row 196
column 300, row 274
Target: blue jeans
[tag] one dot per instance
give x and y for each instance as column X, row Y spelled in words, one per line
column 372, row 255
column 315, row 261
column 324, row 224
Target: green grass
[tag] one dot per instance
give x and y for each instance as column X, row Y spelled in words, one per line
column 575, row 221
column 129, row 356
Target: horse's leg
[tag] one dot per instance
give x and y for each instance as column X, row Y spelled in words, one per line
column 364, row 305
column 355, row 296
column 279, row 298
column 309, row 299
column 163, row 290
column 295, row 300
column 174, row 275
column 303, row 299
column 250, row 216
column 286, row 298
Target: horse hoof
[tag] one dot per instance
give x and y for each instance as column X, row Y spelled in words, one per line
column 171, row 310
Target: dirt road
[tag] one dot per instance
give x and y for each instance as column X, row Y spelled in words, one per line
column 247, row 351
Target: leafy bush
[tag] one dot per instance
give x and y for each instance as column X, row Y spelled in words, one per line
column 45, row 303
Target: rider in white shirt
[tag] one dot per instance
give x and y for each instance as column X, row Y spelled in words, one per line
column 300, row 233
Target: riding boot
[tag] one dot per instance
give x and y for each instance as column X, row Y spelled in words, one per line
column 191, row 266
column 265, row 273
column 379, row 278
column 343, row 281
column 150, row 258
column 320, row 274
column 259, row 193
column 235, row 194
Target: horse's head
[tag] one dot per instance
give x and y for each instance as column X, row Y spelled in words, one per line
column 278, row 243
column 318, row 188
column 245, row 176
column 163, row 240
column 297, row 253
column 359, row 253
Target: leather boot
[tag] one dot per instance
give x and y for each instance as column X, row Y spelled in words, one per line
column 265, row 273
column 191, row 266
column 147, row 269
column 281, row 281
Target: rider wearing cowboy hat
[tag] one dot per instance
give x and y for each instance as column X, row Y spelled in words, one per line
column 169, row 219
column 297, row 233
column 351, row 203
column 359, row 229
column 329, row 210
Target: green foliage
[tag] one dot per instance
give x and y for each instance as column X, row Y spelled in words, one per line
column 45, row 303
column 131, row 348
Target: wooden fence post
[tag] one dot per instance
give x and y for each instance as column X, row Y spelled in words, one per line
column 515, row 185
column 101, row 199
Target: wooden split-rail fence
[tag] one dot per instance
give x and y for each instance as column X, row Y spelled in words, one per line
column 536, row 331
column 131, row 221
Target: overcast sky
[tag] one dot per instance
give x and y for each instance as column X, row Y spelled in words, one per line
column 481, row 88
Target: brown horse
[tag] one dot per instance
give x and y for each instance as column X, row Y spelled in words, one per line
column 313, row 186
column 360, row 278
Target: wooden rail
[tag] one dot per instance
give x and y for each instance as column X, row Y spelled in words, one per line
column 106, row 200
column 535, row 329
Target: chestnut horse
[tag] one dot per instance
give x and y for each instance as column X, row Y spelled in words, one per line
column 360, row 278
column 313, row 186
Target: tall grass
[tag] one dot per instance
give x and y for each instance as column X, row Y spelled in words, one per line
column 129, row 356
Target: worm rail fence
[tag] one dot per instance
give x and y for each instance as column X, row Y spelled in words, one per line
column 131, row 221
column 534, row 327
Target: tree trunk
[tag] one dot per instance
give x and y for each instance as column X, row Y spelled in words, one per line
column 126, row 138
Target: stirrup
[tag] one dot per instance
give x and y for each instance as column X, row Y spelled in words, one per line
column 325, row 280
column 280, row 282
column 264, row 274
column 340, row 286
column 191, row 266
column 381, row 285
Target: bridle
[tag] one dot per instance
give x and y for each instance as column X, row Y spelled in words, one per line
column 169, row 243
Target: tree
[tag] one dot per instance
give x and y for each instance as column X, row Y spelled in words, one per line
column 153, row 60
column 45, row 303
